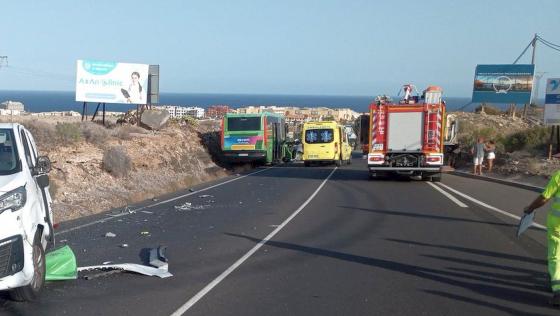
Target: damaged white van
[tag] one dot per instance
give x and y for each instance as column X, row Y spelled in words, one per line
column 26, row 227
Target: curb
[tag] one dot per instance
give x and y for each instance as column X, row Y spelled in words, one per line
column 525, row 186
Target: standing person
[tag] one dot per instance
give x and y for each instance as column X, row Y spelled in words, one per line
column 491, row 149
column 478, row 152
column 552, row 190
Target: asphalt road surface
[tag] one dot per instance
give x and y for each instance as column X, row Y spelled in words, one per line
column 291, row 240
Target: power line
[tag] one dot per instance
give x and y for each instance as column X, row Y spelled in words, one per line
column 550, row 46
column 550, row 43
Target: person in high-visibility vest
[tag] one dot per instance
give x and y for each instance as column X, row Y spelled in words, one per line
column 552, row 191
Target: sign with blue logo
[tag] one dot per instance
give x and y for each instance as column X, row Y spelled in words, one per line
column 111, row 82
column 552, row 102
column 503, row 83
column 552, row 91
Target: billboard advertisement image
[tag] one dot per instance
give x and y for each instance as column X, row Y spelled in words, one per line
column 552, row 102
column 111, row 82
column 503, row 83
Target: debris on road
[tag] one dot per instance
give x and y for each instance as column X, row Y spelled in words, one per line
column 189, row 206
column 61, row 265
column 144, row 233
column 205, row 196
column 110, row 235
column 107, row 262
column 191, row 190
column 124, row 246
column 155, row 200
column 158, row 260
column 147, row 212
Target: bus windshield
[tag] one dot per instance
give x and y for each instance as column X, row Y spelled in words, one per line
column 237, row 124
column 9, row 159
column 319, row 136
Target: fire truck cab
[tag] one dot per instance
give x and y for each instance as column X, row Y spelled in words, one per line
column 407, row 137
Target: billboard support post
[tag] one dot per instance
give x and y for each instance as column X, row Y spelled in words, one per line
column 97, row 111
column 84, row 111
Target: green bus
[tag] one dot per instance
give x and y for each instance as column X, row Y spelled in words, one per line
column 253, row 138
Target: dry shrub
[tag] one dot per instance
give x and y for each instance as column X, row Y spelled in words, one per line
column 94, row 133
column 116, row 161
column 44, row 133
column 68, row 133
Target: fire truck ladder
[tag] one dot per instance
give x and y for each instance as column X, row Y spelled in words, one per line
column 432, row 124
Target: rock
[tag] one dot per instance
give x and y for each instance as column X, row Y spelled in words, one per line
column 155, row 119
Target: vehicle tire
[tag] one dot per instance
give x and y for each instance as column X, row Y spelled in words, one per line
column 436, row 178
column 350, row 161
column 31, row 292
column 307, row 163
column 338, row 162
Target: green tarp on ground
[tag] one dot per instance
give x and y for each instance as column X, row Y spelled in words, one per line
column 61, row 265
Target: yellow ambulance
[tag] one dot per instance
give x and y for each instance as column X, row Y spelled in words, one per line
column 325, row 142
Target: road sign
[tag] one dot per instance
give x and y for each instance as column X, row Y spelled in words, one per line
column 552, row 102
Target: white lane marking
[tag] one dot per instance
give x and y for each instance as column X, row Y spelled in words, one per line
column 193, row 300
column 448, row 195
column 490, row 207
column 156, row 204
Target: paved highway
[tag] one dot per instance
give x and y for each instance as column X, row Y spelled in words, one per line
column 291, row 240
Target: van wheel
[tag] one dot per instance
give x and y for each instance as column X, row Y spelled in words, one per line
column 307, row 163
column 31, row 292
column 349, row 162
column 338, row 163
column 436, row 178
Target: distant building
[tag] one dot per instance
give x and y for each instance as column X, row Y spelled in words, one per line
column 10, row 112
column 57, row 113
column 299, row 115
column 217, row 111
column 180, row 111
column 12, row 105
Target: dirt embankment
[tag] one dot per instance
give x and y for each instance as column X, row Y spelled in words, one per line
column 95, row 168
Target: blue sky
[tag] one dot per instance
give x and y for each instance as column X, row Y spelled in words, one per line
column 331, row 47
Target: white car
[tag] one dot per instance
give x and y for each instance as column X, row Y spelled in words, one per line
column 26, row 222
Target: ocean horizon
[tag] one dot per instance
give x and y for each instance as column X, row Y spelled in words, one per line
column 45, row 101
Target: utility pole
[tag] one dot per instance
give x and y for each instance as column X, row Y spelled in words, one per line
column 532, row 101
column 534, row 44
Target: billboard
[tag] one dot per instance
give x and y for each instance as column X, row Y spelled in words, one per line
column 503, row 83
column 552, row 102
column 111, row 82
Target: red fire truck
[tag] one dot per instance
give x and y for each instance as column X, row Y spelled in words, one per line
column 407, row 137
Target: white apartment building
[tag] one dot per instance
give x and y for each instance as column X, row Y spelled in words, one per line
column 180, row 111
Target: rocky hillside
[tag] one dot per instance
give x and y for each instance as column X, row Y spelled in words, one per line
column 522, row 144
column 97, row 168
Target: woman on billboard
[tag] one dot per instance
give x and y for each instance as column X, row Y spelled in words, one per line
column 134, row 92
